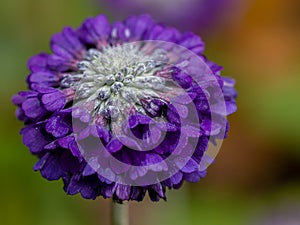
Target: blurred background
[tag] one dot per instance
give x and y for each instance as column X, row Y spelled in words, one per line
column 255, row 179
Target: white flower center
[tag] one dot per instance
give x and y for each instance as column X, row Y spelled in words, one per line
column 118, row 77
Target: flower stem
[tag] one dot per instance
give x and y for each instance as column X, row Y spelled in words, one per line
column 119, row 214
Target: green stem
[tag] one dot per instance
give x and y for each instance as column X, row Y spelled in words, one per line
column 119, row 214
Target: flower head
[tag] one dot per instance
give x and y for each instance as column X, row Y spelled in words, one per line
column 122, row 109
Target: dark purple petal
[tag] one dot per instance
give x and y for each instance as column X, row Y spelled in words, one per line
column 57, row 127
column 230, row 107
column 41, row 163
column 183, row 79
column 123, row 191
column 44, row 78
column 53, row 145
column 172, row 115
column 18, row 100
column 20, row 114
column 67, row 45
column 64, row 142
column 90, row 188
column 75, row 185
column 88, row 170
column 38, row 62
column 60, row 64
column 54, row 101
column 176, row 178
column 81, row 114
column 156, row 192
column 51, row 169
column 34, row 138
column 114, row 146
column 191, row 166
column 108, row 191
column 192, row 42
column 95, row 30
column 32, row 108
column 69, row 163
column 215, row 68
column 73, row 146
column 194, row 176
column 119, row 32
column 200, row 149
column 137, row 193
column 161, row 33
column 138, row 26
column 104, row 134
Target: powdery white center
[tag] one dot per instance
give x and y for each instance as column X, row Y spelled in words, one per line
column 116, row 79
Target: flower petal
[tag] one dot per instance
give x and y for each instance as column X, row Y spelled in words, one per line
column 54, row 101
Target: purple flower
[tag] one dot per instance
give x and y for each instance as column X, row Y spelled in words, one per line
column 123, row 109
column 203, row 15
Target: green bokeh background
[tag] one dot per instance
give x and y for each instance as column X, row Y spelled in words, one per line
column 258, row 168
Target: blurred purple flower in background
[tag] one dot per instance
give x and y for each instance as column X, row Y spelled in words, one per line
column 202, row 15
column 113, row 102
